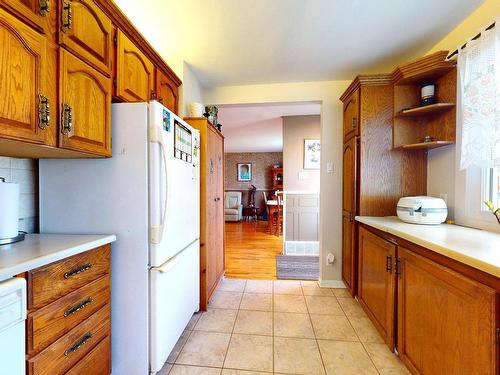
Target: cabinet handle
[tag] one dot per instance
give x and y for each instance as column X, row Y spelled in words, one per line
column 77, row 345
column 78, row 307
column 354, row 123
column 66, row 16
column 67, row 119
column 43, row 112
column 388, row 263
column 44, row 7
column 397, row 266
column 78, row 270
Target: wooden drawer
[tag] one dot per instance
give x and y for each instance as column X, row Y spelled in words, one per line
column 56, row 319
column 47, row 284
column 71, row 348
column 98, row 361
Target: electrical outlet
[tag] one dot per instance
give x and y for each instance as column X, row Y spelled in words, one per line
column 329, row 167
column 330, row 258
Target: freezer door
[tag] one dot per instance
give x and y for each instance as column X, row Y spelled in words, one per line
column 174, row 184
column 174, row 297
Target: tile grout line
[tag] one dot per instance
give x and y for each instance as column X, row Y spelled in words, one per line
column 315, row 337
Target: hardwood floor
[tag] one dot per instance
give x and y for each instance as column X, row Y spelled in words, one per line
column 251, row 251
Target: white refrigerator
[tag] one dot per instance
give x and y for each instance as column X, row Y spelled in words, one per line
column 148, row 194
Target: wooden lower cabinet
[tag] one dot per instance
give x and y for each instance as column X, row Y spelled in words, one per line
column 376, row 282
column 212, row 264
column 68, row 328
column 439, row 320
column 447, row 323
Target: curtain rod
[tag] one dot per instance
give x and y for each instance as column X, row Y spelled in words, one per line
column 463, row 46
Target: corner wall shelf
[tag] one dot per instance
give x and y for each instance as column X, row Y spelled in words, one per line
column 426, row 145
column 425, row 110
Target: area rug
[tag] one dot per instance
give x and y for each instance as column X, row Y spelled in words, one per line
column 297, row 267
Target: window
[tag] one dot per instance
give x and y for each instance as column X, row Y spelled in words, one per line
column 478, row 131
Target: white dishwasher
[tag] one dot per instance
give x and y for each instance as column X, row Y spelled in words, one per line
column 12, row 330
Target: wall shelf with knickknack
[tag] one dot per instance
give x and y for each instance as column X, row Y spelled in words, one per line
column 417, row 126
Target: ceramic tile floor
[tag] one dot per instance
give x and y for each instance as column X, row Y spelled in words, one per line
column 282, row 327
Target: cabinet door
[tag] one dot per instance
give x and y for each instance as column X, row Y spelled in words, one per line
column 351, row 116
column 32, row 12
column 85, row 96
column 166, row 91
column 86, row 31
column 135, row 73
column 348, row 211
column 219, row 224
column 22, row 80
column 446, row 321
column 212, row 193
column 376, row 282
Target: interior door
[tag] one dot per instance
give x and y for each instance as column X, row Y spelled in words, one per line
column 135, row 72
column 377, row 284
column 22, row 80
column 349, row 181
column 87, row 33
column 85, row 96
column 351, row 116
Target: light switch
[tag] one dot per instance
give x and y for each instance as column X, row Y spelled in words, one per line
column 329, row 167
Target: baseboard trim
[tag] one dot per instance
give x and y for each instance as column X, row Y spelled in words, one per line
column 332, row 284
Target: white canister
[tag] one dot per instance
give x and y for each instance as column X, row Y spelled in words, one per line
column 9, row 209
column 196, row 109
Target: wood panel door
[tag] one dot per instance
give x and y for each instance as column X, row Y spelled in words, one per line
column 166, row 91
column 377, row 282
column 22, row 81
column 32, row 12
column 85, row 105
column 218, row 225
column 212, row 214
column 446, row 321
column 349, row 181
column 134, row 71
column 87, row 32
column 351, row 116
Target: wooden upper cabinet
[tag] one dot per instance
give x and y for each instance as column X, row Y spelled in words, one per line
column 87, row 32
column 22, row 81
column 351, row 115
column 377, row 283
column 33, row 12
column 85, row 107
column 135, row 72
column 446, row 322
column 167, row 91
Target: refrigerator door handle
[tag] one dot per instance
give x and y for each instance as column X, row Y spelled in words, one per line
column 157, row 230
column 167, row 266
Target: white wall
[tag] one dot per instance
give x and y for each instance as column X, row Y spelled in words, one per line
column 295, row 130
column 328, row 93
column 191, row 90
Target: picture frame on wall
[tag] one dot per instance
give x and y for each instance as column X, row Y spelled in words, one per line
column 244, row 172
column 312, row 153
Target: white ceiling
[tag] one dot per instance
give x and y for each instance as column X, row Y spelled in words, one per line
column 259, row 127
column 228, row 42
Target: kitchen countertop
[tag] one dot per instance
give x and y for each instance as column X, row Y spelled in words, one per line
column 40, row 249
column 474, row 247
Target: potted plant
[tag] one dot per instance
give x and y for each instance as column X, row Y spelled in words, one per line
column 494, row 211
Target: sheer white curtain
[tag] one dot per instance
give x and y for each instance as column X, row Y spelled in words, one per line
column 479, row 69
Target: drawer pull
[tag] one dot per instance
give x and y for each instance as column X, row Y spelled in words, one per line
column 78, row 307
column 77, row 345
column 78, row 270
column 388, row 263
